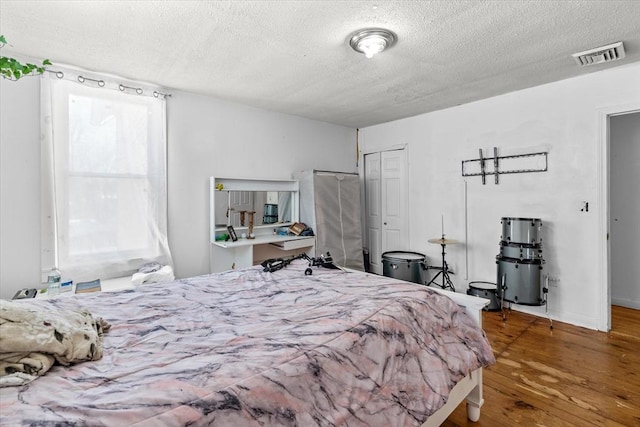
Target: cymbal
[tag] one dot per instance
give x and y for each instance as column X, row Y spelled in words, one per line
column 442, row 241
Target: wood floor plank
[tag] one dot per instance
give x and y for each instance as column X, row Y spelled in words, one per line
column 578, row 395
column 601, row 364
column 563, row 376
column 625, row 322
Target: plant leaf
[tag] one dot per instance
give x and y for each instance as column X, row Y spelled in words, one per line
column 11, row 68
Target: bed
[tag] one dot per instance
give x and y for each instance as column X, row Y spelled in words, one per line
column 254, row 348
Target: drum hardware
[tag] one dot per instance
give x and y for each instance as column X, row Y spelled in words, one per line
column 545, row 291
column 503, row 286
column 444, row 270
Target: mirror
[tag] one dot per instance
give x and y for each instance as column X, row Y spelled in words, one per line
column 270, row 207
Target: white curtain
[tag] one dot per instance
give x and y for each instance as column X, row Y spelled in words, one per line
column 104, row 177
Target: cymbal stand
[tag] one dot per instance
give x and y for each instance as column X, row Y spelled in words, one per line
column 446, row 280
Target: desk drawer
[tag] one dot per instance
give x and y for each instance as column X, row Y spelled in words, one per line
column 287, row 245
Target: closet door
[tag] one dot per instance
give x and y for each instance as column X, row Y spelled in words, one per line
column 394, row 201
column 385, row 205
column 372, row 211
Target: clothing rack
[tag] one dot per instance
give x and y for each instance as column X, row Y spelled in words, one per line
column 470, row 167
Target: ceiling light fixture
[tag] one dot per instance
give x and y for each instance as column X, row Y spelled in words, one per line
column 372, row 41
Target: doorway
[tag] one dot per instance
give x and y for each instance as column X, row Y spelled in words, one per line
column 624, row 210
column 618, row 184
column 386, row 204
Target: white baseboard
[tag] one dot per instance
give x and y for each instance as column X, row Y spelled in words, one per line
column 625, row 303
column 565, row 317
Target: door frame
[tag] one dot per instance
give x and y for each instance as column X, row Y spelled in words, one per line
column 604, row 209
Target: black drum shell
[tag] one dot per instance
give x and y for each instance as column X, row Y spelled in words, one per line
column 522, row 230
column 485, row 290
column 522, row 281
column 404, row 265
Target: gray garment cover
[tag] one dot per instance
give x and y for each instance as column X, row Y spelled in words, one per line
column 330, row 204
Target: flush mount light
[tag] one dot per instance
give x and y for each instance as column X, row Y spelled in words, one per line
column 371, row 41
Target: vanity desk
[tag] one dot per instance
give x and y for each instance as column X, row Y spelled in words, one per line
column 274, row 205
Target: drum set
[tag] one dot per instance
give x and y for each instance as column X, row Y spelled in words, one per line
column 520, row 261
column 519, row 266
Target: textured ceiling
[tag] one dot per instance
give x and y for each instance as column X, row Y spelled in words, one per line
column 294, row 57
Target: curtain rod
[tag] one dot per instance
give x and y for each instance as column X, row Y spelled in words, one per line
column 101, row 83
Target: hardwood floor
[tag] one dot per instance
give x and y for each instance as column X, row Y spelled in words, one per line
column 565, row 376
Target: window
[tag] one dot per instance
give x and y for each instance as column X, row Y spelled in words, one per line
column 104, row 192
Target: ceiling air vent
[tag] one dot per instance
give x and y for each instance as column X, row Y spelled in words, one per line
column 600, row 55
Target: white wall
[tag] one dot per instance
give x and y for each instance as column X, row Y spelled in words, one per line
column 625, row 209
column 19, row 185
column 561, row 118
column 205, row 137
column 209, row 137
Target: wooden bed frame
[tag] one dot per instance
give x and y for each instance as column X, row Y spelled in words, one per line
column 470, row 387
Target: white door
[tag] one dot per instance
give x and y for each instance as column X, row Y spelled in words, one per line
column 386, row 204
column 394, row 201
column 240, row 201
column 372, row 210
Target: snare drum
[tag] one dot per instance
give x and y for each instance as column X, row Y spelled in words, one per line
column 485, row 290
column 522, row 230
column 408, row 266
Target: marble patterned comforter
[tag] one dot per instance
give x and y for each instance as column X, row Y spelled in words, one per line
column 250, row 348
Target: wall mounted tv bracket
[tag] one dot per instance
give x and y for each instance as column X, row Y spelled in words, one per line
column 519, row 163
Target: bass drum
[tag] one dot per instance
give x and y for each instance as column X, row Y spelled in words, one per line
column 521, row 280
column 522, row 230
column 520, row 251
column 485, row 290
column 408, row 266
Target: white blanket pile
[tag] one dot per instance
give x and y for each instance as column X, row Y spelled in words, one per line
column 34, row 335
